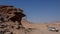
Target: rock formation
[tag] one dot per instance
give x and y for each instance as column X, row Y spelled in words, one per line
column 10, row 19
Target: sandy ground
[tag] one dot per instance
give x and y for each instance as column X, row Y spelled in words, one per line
column 42, row 28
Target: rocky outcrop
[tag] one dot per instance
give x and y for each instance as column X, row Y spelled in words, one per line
column 10, row 19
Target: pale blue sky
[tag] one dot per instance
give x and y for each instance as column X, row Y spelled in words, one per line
column 37, row 10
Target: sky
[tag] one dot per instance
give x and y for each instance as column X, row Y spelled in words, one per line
column 37, row 11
